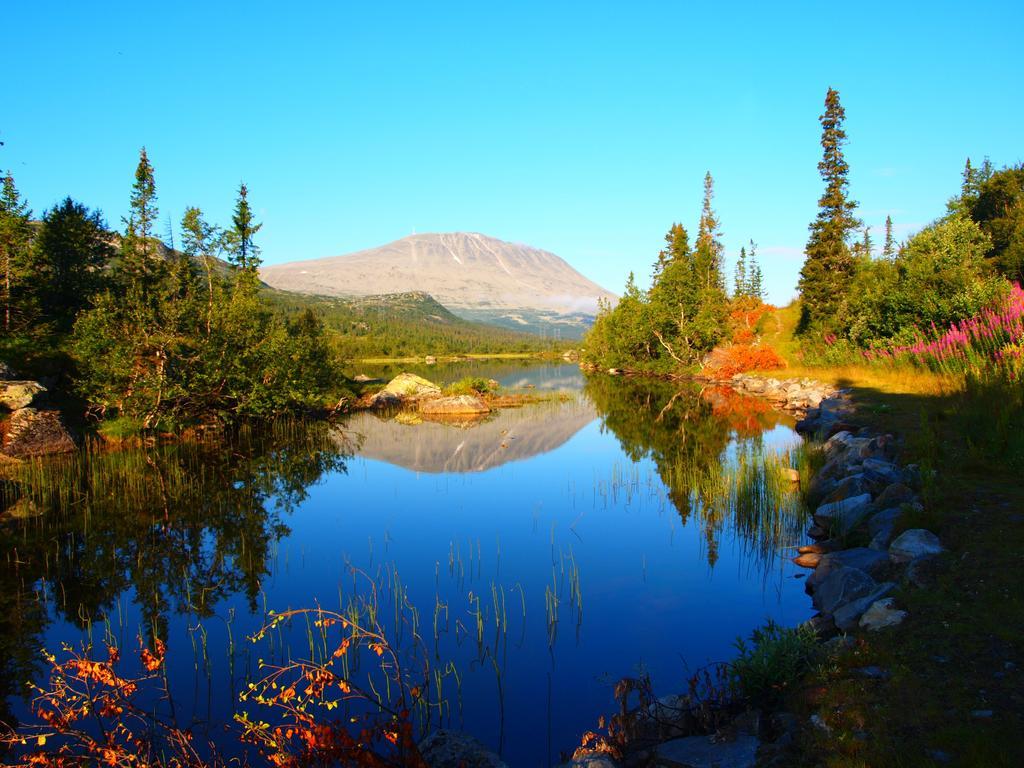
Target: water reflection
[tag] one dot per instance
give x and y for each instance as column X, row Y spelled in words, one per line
column 643, row 518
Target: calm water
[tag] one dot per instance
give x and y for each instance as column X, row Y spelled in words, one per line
column 617, row 502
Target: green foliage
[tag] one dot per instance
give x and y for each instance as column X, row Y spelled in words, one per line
column 941, row 276
column 829, row 265
column 999, row 210
column 470, row 385
column 774, row 660
column 243, row 252
column 181, row 343
column 680, row 318
column 71, row 250
column 15, row 271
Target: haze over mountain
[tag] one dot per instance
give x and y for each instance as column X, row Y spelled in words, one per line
column 477, row 277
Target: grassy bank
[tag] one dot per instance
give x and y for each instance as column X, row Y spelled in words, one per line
column 952, row 690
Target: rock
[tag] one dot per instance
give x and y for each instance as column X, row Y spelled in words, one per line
column 849, row 487
column 882, row 471
column 411, row 386
column 868, row 560
column 879, row 520
column 430, row 360
column 821, row 548
column 823, row 626
column 880, row 541
column 615, row 371
column 385, row 399
column 36, row 433
column 19, row 394
column 807, row 559
column 450, row 749
column 882, row 614
column 572, row 356
column 790, row 474
column 841, row 586
column 6, row 374
column 915, row 543
column 817, row 532
column 838, row 645
column 842, row 516
column 732, row 750
column 847, row 616
column 819, row 722
column 362, row 378
column 458, row 405
column 893, row 495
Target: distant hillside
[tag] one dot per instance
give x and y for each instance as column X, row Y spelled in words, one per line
column 404, row 324
column 475, row 276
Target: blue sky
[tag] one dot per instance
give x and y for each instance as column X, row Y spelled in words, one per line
column 581, row 127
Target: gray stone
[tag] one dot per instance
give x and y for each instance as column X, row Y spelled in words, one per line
column 884, row 471
column 36, row 433
column 841, row 516
column 409, row 385
column 879, row 520
column 707, row 752
column 850, row 486
column 880, row 540
column 848, row 615
column 385, row 399
column 457, row 405
column 592, row 760
column 841, row 586
column 19, row 394
column 915, row 543
column 894, row 495
column 450, row 749
column 867, row 560
column 882, row 614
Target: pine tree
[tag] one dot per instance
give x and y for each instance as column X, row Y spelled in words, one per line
column 243, row 252
column 755, row 286
column 139, row 266
column 202, row 241
column 741, row 286
column 889, row 246
column 71, row 254
column 15, row 236
column 708, row 256
column 828, row 268
column 862, row 249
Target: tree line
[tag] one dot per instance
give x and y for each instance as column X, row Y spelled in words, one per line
column 686, row 311
column 958, row 265
column 151, row 333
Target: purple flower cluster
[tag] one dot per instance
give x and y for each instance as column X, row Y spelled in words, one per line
column 991, row 340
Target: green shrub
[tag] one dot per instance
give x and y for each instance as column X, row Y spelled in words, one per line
column 470, row 385
column 120, row 428
column 774, row 659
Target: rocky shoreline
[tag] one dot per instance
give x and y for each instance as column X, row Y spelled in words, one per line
column 30, row 428
column 859, row 496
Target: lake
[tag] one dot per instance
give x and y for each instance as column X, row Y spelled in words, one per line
column 626, row 527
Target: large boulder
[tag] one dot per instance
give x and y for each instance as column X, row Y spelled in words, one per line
column 847, row 616
column 893, row 496
column 734, row 746
column 865, row 559
column 19, row 394
column 410, row 386
column 842, row 516
column 842, row 585
column 459, row 405
column 915, row 543
column 36, row 433
column 450, row 749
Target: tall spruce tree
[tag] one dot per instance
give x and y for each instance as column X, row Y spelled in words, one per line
column 139, row 268
column 708, row 251
column 741, row 287
column 243, row 252
column 15, row 237
column 755, row 285
column 889, row 246
column 829, row 266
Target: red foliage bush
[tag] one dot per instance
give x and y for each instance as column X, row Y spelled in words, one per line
column 728, row 361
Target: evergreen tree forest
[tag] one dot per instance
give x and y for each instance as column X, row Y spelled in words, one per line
column 136, row 329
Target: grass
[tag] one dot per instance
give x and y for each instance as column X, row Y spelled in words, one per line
column 961, row 649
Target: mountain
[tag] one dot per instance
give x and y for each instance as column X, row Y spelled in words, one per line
column 477, row 277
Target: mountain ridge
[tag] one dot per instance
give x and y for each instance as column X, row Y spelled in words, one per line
column 464, row 271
